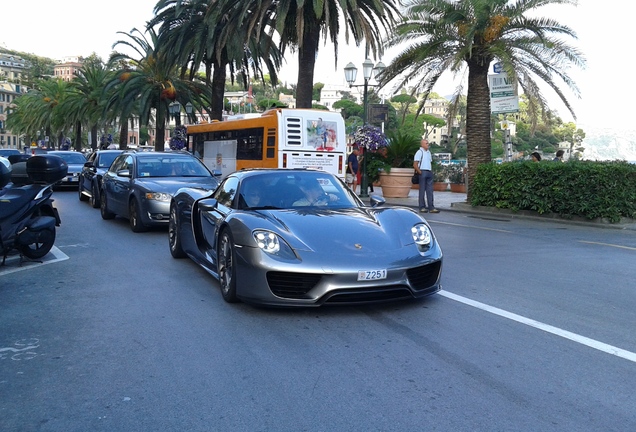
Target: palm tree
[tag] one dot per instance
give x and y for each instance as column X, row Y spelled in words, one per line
column 218, row 34
column 301, row 24
column 150, row 84
column 452, row 35
column 37, row 111
column 85, row 101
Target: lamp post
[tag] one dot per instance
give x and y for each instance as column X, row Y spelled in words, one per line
column 175, row 109
column 368, row 70
column 189, row 108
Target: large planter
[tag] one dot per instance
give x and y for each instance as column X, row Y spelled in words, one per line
column 458, row 187
column 397, row 183
column 440, row 186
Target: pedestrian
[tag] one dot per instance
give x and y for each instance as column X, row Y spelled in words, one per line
column 536, row 157
column 559, row 156
column 422, row 163
column 351, row 176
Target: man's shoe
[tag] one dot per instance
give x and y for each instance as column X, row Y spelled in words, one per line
column 423, row 210
column 434, row 211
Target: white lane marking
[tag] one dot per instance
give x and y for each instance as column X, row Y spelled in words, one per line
column 609, row 349
column 55, row 255
column 608, row 244
column 468, row 226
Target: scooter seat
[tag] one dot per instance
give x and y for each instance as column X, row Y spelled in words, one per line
column 14, row 199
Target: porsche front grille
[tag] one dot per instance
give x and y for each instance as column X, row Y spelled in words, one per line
column 424, row 277
column 292, row 285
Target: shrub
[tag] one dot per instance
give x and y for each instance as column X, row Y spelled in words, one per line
column 578, row 188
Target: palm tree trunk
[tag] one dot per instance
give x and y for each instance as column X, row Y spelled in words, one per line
column 218, row 92
column 306, row 62
column 94, row 137
column 160, row 138
column 123, row 134
column 78, row 136
column 477, row 118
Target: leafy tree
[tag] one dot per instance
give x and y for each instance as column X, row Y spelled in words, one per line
column 455, row 34
column 430, row 122
column 572, row 135
column 404, row 102
column 315, row 95
column 348, row 108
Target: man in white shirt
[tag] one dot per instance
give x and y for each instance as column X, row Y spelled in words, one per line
column 422, row 163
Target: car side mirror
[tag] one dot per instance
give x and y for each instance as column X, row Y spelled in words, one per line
column 207, row 204
column 376, row 200
column 123, row 173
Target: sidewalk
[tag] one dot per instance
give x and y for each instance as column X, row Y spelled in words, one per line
column 451, row 201
column 442, row 200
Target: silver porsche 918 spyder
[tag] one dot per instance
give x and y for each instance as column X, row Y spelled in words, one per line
column 296, row 237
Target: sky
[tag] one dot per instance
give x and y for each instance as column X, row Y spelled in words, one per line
column 605, row 37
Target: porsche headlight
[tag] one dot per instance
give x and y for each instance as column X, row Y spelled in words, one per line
column 273, row 244
column 158, row 196
column 267, row 241
column 421, row 234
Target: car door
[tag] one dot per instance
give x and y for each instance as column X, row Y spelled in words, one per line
column 212, row 213
column 87, row 173
column 121, row 184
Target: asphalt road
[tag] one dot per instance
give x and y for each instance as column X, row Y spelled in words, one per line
column 532, row 331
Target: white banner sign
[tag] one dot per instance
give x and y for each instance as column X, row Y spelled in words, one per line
column 503, row 94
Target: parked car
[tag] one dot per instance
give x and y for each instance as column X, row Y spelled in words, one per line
column 291, row 237
column 90, row 178
column 75, row 161
column 140, row 185
column 5, row 153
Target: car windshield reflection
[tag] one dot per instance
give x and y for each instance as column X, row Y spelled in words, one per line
column 296, row 190
column 171, row 167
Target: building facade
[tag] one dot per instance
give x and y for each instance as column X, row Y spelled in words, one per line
column 11, row 67
column 65, row 70
column 8, row 93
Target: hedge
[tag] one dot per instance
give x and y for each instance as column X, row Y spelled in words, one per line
column 577, row 188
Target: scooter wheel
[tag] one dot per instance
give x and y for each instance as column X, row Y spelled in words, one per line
column 41, row 247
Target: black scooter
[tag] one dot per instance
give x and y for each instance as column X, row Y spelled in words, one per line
column 27, row 215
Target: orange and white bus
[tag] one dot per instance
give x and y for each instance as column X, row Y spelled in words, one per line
column 278, row 138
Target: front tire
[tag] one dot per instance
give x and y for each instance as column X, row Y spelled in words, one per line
column 82, row 197
column 106, row 214
column 226, row 267
column 174, row 239
column 37, row 250
column 136, row 224
column 95, row 201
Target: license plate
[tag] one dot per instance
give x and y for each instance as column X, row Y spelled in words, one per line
column 365, row 275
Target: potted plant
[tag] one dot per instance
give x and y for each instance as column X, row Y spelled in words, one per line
column 392, row 163
column 457, row 178
column 440, row 177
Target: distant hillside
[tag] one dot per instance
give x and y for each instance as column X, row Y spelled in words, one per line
column 609, row 144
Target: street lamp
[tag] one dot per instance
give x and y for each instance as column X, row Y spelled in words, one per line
column 368, row 70
column 189, row 108
column 175, row 109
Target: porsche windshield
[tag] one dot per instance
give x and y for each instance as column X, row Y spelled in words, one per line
column 285, row 190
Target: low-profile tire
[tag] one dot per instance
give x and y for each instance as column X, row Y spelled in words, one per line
column 95, row 201
column 46, row 239
column 82, row 197
column 226, row 267
column 174, row 238
column 136, row 224
column 103, row 206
